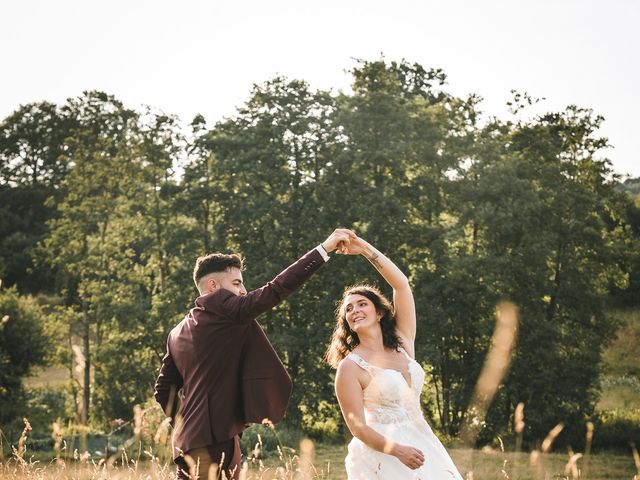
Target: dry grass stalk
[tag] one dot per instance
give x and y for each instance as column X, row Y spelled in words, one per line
column 495, row 367
column 551, row 436
column 213, row 472
column 572, row 465
column 23, row 438
column 518, row 424
column 536, row 458
column 587, row 450
column 57, row 436
column 1, row 446
column 162, row 433
column 636, row 460
column 536, row 464
column 137, row 420
column 503, row 470
column 307, row 453
column 244, row 472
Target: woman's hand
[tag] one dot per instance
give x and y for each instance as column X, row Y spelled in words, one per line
column 355, row 247
column 340, row 238
column 411, row 457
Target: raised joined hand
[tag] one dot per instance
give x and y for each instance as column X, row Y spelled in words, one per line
column 355, row 247
column 340, row 238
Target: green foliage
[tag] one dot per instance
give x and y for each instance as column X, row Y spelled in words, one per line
column 23, row 217
column 31, row 143
column 620, row 386
column 617, row 430
column 31, row 170
column 261, row 441
column 631, row 186
column 42, row 407
column 22, row 347
column 629, row 203
column 324, row 422
column 473, row 211
column 622, row 356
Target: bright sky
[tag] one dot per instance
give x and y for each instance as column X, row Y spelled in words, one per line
column 196, row 56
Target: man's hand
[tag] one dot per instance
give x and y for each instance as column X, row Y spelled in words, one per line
column 340, row 238
column 356, row 246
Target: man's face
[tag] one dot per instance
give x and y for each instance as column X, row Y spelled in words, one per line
column 231, row 279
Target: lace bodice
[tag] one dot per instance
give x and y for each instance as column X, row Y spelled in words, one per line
column 389, row 398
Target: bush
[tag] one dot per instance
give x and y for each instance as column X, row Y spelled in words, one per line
column 22, row 346
column 324, row 422
column 268, row 440
column 616, row 429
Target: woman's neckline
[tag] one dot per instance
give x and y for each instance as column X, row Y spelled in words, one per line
column 408, row 381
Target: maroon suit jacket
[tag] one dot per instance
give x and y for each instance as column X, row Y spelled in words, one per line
column 230, row 373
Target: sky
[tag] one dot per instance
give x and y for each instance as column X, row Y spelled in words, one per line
column 194, row 56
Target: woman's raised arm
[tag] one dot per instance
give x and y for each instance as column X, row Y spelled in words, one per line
column 403, row 302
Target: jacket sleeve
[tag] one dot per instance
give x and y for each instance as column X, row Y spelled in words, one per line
column 248, row 307
column 168, row 383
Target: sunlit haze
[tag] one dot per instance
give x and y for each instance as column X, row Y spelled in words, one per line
column 203, row 56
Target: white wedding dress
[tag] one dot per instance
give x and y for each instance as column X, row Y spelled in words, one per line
column 392, row 408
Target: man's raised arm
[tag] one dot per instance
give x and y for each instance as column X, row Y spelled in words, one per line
column 248, row 307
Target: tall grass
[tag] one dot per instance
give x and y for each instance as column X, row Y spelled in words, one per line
column 270, row 454
column 137, row 458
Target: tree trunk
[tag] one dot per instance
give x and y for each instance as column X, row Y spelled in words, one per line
column 87, row 366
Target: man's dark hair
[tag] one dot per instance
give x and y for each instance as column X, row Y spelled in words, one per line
column 216, row 262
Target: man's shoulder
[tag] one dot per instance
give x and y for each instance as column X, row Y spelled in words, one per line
column 179, row 326
column 212, row 302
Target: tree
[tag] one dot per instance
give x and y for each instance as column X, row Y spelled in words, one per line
column 405, row 138
column 31, row 144
column 31, row 171
column 150, row 245
column 77, row 248
column 22, row 346
column 540, row 215
column 267, row 163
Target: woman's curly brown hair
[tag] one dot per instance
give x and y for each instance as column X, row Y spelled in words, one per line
column 344, row 340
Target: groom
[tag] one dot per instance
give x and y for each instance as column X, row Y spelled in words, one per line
column 222, row 360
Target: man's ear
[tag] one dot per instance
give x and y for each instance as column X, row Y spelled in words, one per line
column 212, row 284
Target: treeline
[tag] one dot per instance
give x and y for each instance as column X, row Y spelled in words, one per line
column 103, row 210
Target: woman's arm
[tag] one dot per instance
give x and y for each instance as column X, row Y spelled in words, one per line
column 402, row 295
column 349, row 393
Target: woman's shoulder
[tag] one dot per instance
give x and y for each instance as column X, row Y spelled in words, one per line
column 353, row 369
column 352, row 362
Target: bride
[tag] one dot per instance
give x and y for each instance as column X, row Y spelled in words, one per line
column 378, row 381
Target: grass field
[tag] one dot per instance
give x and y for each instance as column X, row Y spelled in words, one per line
column 327, row 462
column 487, row 465
column 621, row 391
column 621, row 379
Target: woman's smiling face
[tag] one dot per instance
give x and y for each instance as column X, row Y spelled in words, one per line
column 360, row 312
